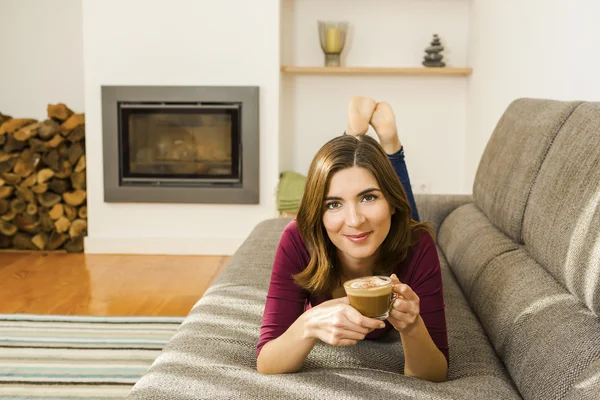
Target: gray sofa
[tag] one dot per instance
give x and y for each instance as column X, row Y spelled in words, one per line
column 521, row 271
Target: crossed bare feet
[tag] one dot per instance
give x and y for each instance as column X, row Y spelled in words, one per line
column 363, row 111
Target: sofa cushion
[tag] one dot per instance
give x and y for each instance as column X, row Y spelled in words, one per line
column 546, row 337
column 470, row 242
column 512, row 159
column 470, row 350
column 213, row 353
column 587, row 386
column 562, row 219
column 434, row 208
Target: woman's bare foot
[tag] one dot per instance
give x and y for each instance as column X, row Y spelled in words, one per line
column 384, row 123
column 360, row 110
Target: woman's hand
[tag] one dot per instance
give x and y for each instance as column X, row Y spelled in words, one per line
column 335, row 322
column 405, row 309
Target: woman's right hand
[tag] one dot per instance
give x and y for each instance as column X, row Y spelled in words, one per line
column 335, row 322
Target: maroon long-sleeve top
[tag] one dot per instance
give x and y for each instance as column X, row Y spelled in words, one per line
column 286, row 301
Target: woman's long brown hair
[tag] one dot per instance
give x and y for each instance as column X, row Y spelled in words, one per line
column 323, row 272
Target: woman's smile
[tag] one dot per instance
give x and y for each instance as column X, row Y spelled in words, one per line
column 358, row 238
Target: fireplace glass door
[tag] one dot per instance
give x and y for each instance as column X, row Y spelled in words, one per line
column 180, row 144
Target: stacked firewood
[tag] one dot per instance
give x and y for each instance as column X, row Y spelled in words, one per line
column 42, row 181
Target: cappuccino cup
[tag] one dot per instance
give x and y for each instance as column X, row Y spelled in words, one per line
column 371, row 295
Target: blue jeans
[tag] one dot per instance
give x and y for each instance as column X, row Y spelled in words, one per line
column 397, row 160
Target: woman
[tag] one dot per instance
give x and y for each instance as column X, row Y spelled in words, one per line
column 355, row 220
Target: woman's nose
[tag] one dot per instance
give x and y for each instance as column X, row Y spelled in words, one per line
column 354, row 218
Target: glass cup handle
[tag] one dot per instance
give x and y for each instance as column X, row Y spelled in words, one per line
column 393, row 297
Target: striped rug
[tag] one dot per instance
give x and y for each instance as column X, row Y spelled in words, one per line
column 72, row 357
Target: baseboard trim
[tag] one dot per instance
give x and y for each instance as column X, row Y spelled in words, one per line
column 167, row 246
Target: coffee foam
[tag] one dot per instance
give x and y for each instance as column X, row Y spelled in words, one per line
column 368, row 286
column 368, row 283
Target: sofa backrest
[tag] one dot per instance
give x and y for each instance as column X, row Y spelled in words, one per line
column 533, row 235
column 512, row 158
column 561, row 228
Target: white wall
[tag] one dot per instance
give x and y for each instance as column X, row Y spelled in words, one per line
column 40, row 57
column 179, row 42
column 431, row 112
column 533, row 48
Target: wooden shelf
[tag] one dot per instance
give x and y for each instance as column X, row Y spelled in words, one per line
column 407, row 71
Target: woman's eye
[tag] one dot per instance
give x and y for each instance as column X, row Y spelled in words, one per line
column 369, row 198
column 333, row 205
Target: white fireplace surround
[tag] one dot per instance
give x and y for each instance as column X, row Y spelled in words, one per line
column 177, row 43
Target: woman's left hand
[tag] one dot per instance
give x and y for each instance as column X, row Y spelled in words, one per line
column 405, row 310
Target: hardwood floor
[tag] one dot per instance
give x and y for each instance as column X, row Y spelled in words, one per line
column 80, row 284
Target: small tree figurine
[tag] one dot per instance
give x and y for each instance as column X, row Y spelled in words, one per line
column 433, row 58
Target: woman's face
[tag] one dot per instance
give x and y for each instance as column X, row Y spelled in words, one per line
column 357, row 217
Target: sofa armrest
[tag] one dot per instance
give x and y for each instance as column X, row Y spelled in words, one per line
column 435, row 208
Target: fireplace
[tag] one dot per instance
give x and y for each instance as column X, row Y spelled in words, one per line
column 180, row 144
